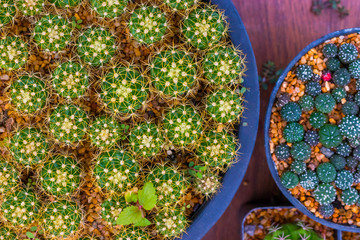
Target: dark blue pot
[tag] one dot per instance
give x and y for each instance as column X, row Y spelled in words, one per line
column 271, row 163
column 212, row 210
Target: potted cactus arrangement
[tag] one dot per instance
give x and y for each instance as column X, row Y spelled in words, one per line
column 120, row 117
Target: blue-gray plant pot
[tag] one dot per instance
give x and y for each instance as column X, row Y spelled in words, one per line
column 271, row 163
column 212, row 210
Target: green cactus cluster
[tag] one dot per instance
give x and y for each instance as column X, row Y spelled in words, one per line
column 208, row 184
column 65, row 3
column 7, row 12
column 13, row 52
column 293, row 231
column 111, row 208
column 170, row 223
column 6, row 233
column 109, row 9
column 9, row 176
column 30, row 8
column 137, row 233
column 181, row 5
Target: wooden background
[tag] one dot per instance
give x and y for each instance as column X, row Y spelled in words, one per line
column 278, row 30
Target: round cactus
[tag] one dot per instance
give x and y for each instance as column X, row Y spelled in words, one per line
column 307, row 103
column 105, row 132
column 326, row 172
column 148, row 24
column 65, row 3
column 298, row 167
column 326, row 210
column 130, row 232
column 96, row 46
column 347, row 53
column 300, row 151
column 61, row 219
column 217, row 149
column 338, row 94
column 338, row 161
column 350, row 108
column 289, row 179
column 291, row 112
column 182, row 126
column 9, row 177
column 30, row 8
column 343, row 149
column 224, row 65
column 350, row 196
column 325, row 103
column 124, row 90
column 293, row 132
column 70, row 80
column 333, row 64
column 344, row 179
column 170, row 223
column 146, row 140
column 68, row 124
column 60, row 176
column 330, row 135
column 179, row 5
column 309, row 180
column 169, row 183
column 304, row 72
column 311, row 137
column 52, row 33
column 204, row 27
column 208, row 184
column 282, row 152
column 28, row 94
column 325, row 193
column 29, row 147
column 341, row 77
column 20, row 207
column 7, row 12
column 330, row 50
column 116, row 170
column 13, row 52
column 350, row 126
column 173, row 72
column 109, row 8
column 111, row 208
column 224, row 106
column 313, row 88
column 6, row 233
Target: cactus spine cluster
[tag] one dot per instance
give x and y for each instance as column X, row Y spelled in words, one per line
column 7, row 12
column 30, row 8
column 13, row 52
column 109, row 9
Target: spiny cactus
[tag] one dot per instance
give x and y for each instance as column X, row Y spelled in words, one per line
column 137, row 233
column 330, row 50
column 293, row 132
column 9, row 177
column 173, row 72
column 170, row 223
column 6, row 234
column 60, row 176
column 217, row 149
column 124, row 90
column 146, row 139
column 170, row 184
column 309, row 180
column 330, row 135
column 116, row 170
column 347, row 53
column 13, row 52
column 52, row 33
column 20, row 207
column 208, row 184
column 61, row 219
column 350, row 126
column 304, row 72
column 109, row 8
column 282, row 152
column 204, row 27
column 28, row 94
column 96, row 46
column 7, row 12
column 325, row 193
column 306, row 103
column 292, row 231
column 224, row 65
column 148, row 24
column 182, row 126
column 29, row 147
column 326, row 172
column 70, row 80
column 68, row 123
column 317, row 119
column 105, row 132
column 111, row 208
column 30, row 8
column 325, row 103
column 289, row 179
column 344, row 179
column 225, row 106
column 180, row 5
column 65, row 3
column 291, row 112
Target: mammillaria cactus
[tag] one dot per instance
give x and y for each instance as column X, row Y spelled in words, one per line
column 13, row 52
column 28, row 94
column 204, row 27
column 208, row 184
column 9, row 177
column 105, row 132
column 96, row 46
column 110, row 8
column 65, row 3
column 131, row 232
column 60, row 176
column 112, row 207
column 298, row 231
column 20, row 207
column 170, row 184
column 146, row 139
column 68, row 123
column 7, row 12
column 6, row 233
column 61, row 219
column 116, row 170
column 224, row 65
column 52, row 33
column 70, row 80
column 173, row 72
column 225, row 106
column 124, row 90
column 148, row 24
column 170, row 223
column 217, row 149
column 182, row 126
column 29, row 147
column 179, row 5
column 30, row 8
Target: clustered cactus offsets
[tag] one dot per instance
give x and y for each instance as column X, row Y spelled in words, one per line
column 320, row 131
column 100, row 129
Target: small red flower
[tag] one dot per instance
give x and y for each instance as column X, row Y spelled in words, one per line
column 326, row 76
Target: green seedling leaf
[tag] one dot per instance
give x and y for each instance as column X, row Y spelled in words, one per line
column 197, row 167
column 131, row 197
column 191, row 164
column 203, row 168
column 79, row 21
column 199, row 175
column 33, row 229
column 142, row 223
column 129, row 215
column 30, row 235
column 147, row 196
